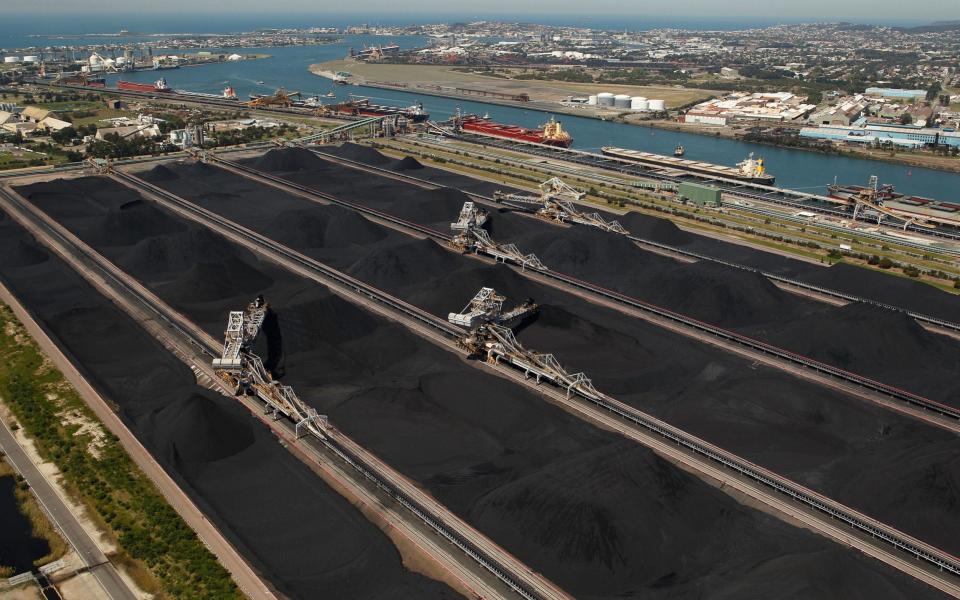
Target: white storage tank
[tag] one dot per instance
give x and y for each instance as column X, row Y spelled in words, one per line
column 605, row 99
column 658, row 105
column 621, row 101
column 31, row 59
column 11, row 59
column 639, row 103
column 592, row 100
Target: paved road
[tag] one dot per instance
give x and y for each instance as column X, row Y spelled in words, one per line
column 91, row 555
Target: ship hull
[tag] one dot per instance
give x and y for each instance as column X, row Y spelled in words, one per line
column 131, row 86
column 512, row 132
column 670, row 162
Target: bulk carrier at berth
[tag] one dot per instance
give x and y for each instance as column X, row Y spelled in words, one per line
column 550, row 134
column 751, row 169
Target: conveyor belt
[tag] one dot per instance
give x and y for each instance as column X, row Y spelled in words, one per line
column 342, row 450
column 856, row 520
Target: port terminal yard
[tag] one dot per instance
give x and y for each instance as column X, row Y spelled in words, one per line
column 573, row 397
column 440, row 326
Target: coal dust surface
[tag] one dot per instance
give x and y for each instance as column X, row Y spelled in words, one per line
column 714, row 293
column 912, row 295
column 305, row 538
column 484, row 446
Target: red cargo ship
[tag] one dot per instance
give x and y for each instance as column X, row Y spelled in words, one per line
column 551, row 133
column 159, row 85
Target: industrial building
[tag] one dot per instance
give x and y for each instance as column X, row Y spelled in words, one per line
column 897, row 93
column 905, row 136
column 777, row 106
column 845, row 112
column 699, row 195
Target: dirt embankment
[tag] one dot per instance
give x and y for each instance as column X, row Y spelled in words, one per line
column 522, row 471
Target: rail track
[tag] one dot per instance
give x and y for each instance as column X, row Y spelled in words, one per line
column 872, row 529
column 517, row 576
column 828, row 292
column 903, row 397
column 773, row 195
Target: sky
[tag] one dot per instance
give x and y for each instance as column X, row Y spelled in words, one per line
column 416, row 10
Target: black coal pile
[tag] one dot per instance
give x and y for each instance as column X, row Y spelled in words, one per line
column 227, row 462
column 173, row 253
column 402, row 397
column 335, row 228
column 656, row 229
column 196, row 429
column 912, row 295
column 209, row 280
column 17, row 253
column 722, row 295
column 289, row 159
column 879, row 343
column 408, row 163
column 401, row 264
column 364, row 154
column 804, row 427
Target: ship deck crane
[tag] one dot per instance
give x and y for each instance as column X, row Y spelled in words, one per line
column 474, row 238
column 245, row 372
column 868, row 197
column 557, row 202
column 281, row 98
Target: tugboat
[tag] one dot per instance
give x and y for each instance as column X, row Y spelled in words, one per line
column 679, row 151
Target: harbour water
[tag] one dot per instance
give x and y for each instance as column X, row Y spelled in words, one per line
column 797, row 169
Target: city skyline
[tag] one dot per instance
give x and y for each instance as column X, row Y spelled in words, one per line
column 811, row 11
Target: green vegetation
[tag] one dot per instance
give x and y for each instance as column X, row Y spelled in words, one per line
column 162, row 552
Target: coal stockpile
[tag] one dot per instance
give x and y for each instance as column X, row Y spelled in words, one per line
column 298, row 532
column 820, row 438
column 498, row 455
column 912, row 295
column 724, row 296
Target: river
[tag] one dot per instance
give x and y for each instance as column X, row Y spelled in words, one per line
column 796, row 169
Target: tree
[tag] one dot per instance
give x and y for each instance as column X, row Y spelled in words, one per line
column 933, row 91
column 64, row 136
column 906, row 118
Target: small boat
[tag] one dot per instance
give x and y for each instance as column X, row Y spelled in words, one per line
column 331, row 95
column 679, row 151
column 259, row 83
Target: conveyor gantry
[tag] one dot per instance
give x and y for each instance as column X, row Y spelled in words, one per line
column 498, row 345
column 474, row 238
column 245, row 371
column 471, row 215
column 487, row 307
column 491, row 336
column 557, row 202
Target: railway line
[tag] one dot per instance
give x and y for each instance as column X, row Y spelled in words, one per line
column 755, row 191
column 875, row 538
column 515, row 575
column 888, row 396
column 677, row 251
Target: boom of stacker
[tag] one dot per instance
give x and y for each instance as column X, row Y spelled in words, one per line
column 245, row 372
column 558, row 202
column 472, row 237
